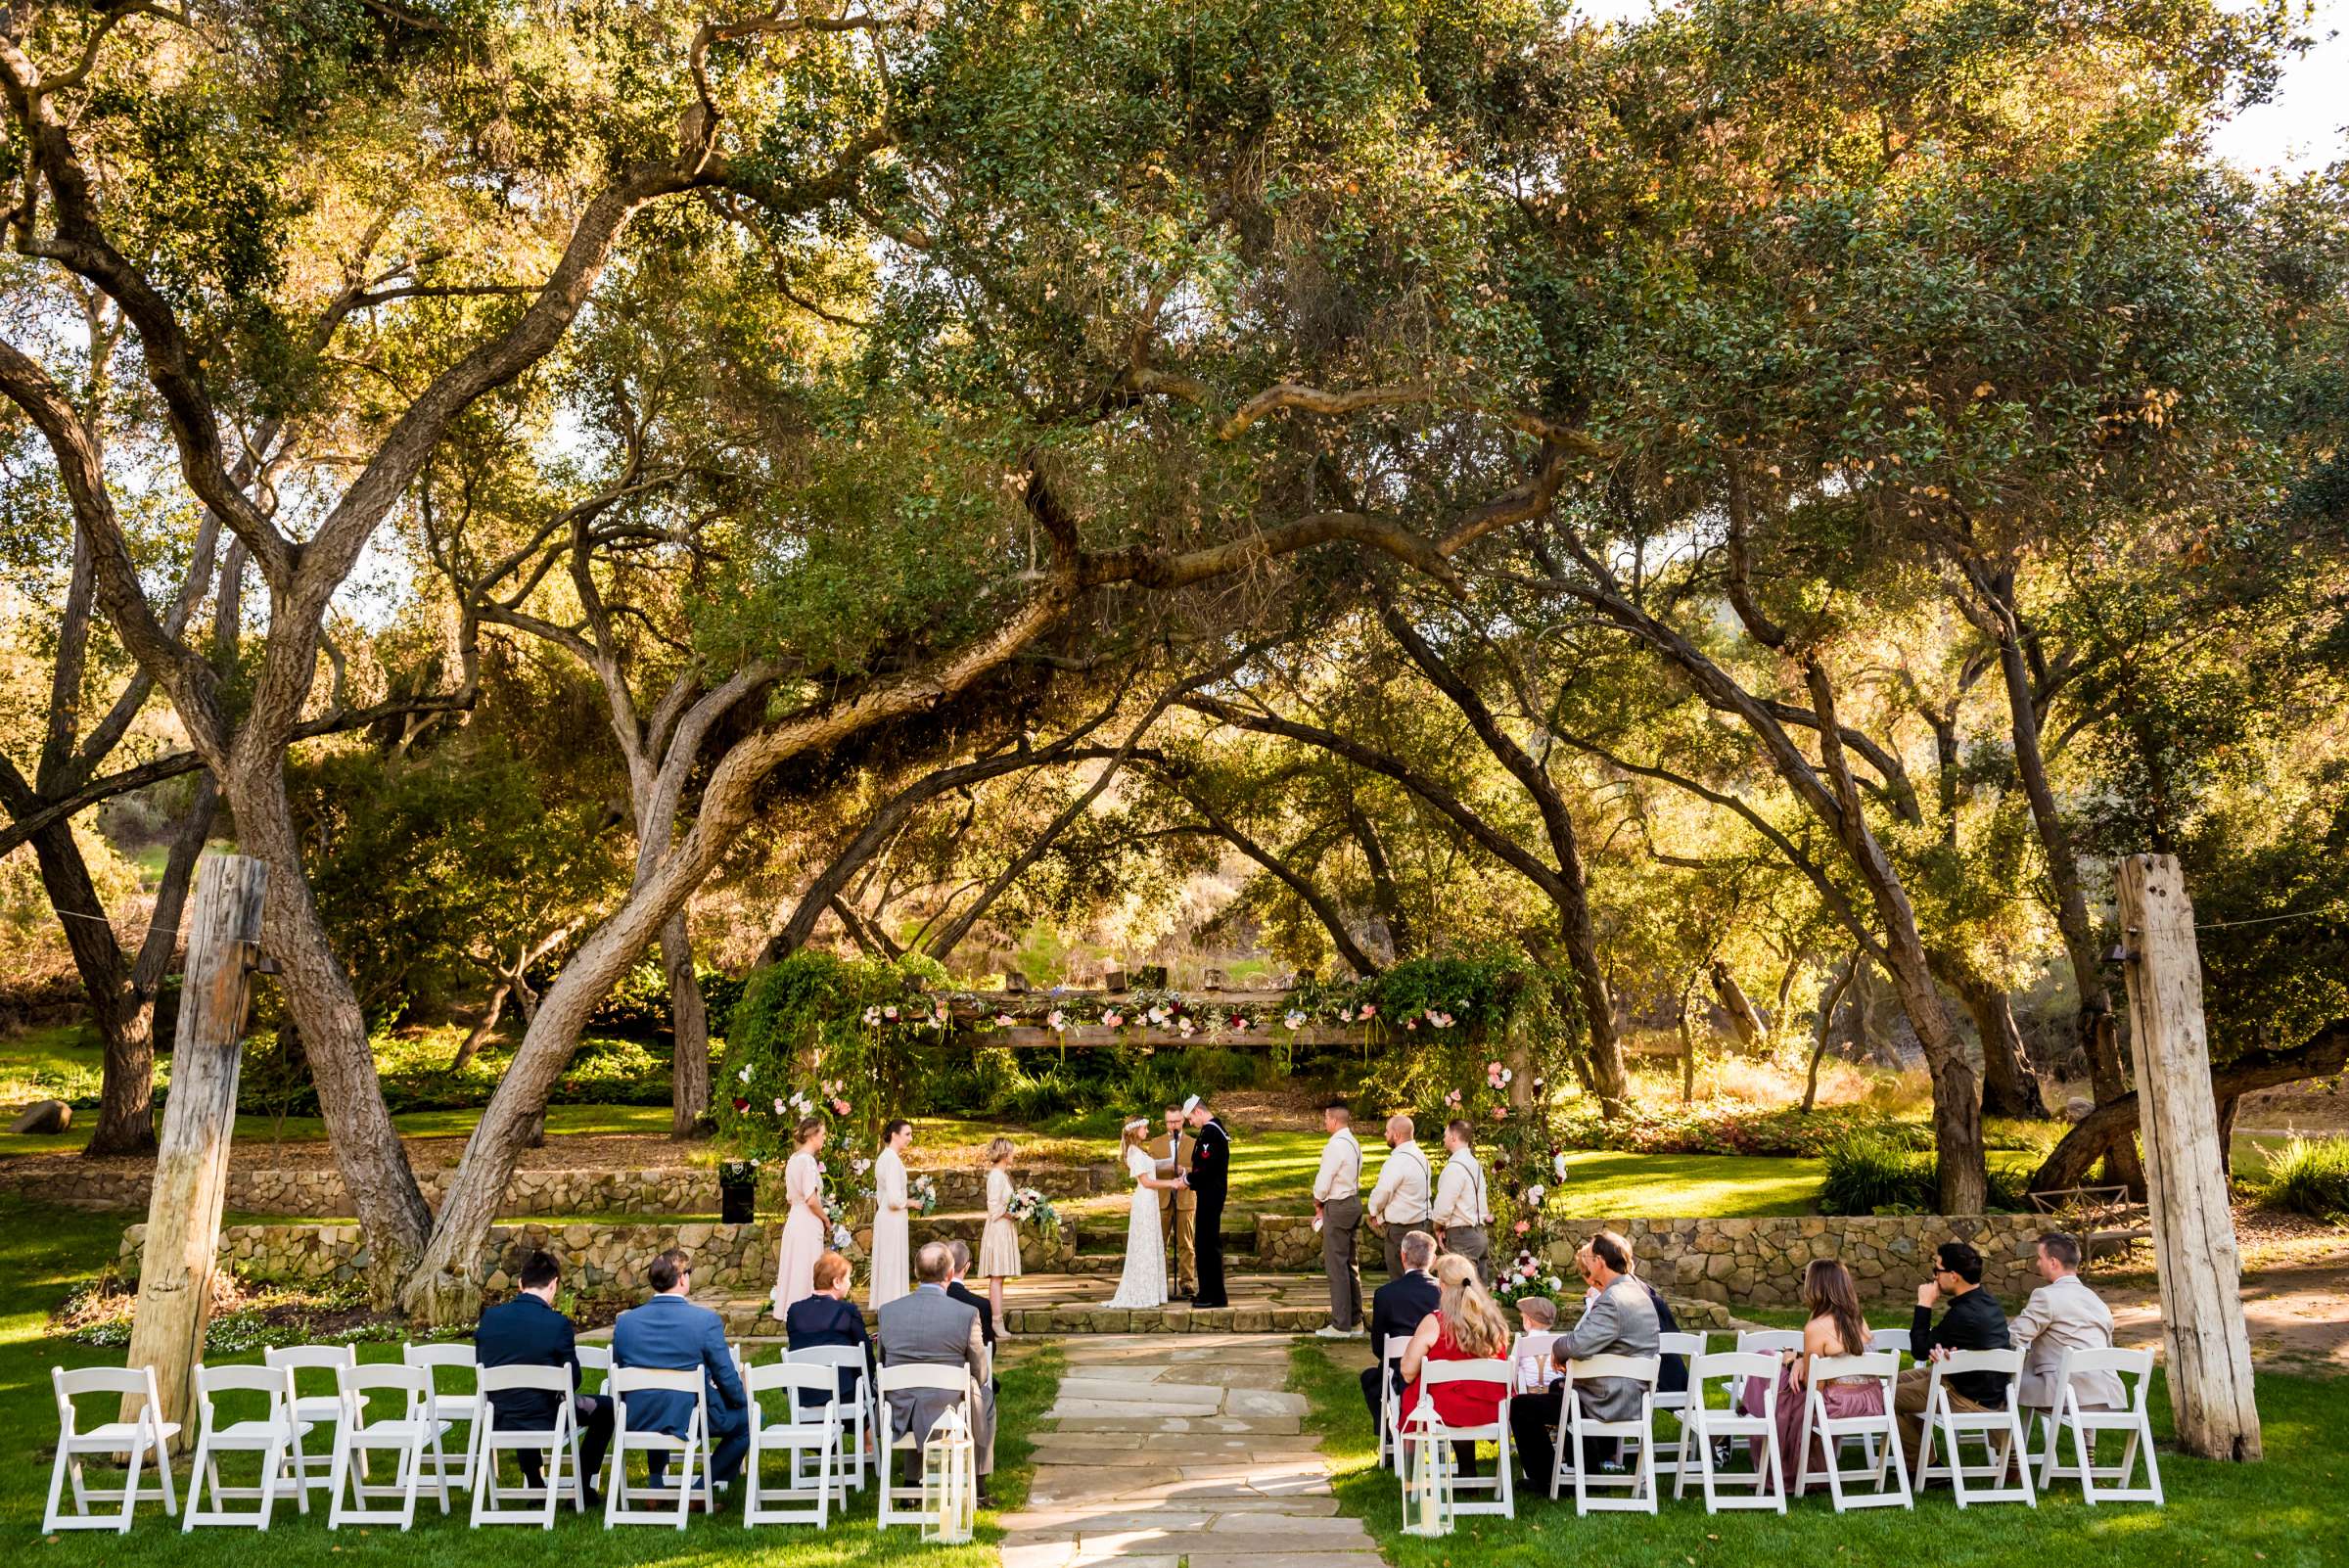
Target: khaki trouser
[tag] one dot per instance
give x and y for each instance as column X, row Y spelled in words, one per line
column 1469, row 1241
column 1391, row 1239
column 1178, row 1220
column 1908, row 1405
column 1341, row 1220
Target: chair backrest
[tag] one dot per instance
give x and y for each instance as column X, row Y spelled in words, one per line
column 595, row 1358
column 1882, row 1366
column 902, row 1379
column 71, row 1382
column 445, row 1355
column 1769, row 1341
column 847, row 1356
column 1736, row 1366
column 2007, row 1362
column 275, row 1381
column 300, row 1358
column 520, row 1379
column 1891, row 1339
column 1631, row 1368
column 1681, row 1343
column 797, row 1377
column 2131, row 1365
column 629, row 1379
column 1486, row 1369
column 1396, row 1345
column 394, row 1377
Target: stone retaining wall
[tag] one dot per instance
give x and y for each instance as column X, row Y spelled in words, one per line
column 1752, row 1262
column 316, row 1192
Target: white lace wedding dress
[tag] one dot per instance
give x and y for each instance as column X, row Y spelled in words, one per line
column 1144, row 1281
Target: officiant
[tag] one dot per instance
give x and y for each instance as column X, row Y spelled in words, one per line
column 1178, row 1207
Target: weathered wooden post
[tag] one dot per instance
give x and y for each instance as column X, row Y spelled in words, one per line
column 2200, row 1273
column 191, row 1165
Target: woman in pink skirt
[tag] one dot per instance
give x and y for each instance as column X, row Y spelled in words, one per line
column 1835, row 1328
column 806, row 1229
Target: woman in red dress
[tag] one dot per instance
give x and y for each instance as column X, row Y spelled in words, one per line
column 1467, row 1325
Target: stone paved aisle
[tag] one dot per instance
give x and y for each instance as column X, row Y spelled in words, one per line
column 1180, row 1452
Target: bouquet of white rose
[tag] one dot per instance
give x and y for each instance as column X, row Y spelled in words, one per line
column 1525, row 1278
column 921, row 1194
column 1029, row 1207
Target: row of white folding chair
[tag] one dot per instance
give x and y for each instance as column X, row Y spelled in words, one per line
column 412, row 1437
column 1426, row 1429
column 145, row 1437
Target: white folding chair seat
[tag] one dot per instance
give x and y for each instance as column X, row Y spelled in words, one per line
column 1675, row 1403
column 412, row 1437
column 314, row 1411
column 144, row 1436
column 1388, row 1401
column 456, row 1406
column 1998, row 1429
column 956, row 1380
column 859, row 1420
column 619, row 1495
column 1431, row 1428
column 1880, row 1435
column 812, row 1432
column 271, row 1435
column 1633, row 1435
column 1701, row 1423
column 2087, row 1424
column 491, row 1438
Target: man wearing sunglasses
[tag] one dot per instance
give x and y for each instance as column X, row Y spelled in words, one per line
column 1974, row 1321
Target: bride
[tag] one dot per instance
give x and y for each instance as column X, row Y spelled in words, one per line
column 1144, row 1281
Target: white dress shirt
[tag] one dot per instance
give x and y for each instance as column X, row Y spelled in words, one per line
column 1460, row 1194
column 1341, row 1173
column 1400, row 1197
column 2063, row 1314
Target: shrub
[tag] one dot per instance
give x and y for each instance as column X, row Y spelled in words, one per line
column 2310, row 1177
column 1873, row 1172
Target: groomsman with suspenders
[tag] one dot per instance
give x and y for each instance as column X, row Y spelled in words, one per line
column 1338, row 1210
column 1461, row 1212
column 1405, row 1195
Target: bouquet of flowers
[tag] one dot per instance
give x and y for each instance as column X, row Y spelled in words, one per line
column 1029, row 1207
column 1522, row 1278
column 921, row 1194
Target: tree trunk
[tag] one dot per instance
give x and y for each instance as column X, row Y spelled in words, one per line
column 1824, row 1027
column 689, row 1021
column 1751, row 1026
column 1401, row 940
column 2010, row 1086
column 474, row 1037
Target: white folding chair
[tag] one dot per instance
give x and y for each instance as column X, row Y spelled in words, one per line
column 491, row 1438
column 1883, row 1465
column 1389, row 1446
column 144, row 1438
column 692, row 1447
column 1998, row 1429
column 412, row 1437
column 1674, row 1402
column 813, row 1430
column 595, row 1368
column 956, row 1380
column 857, row 1419
column 1432, row 1428
column 1638, row 1481
column 1892, row 1339
column 441, row 1362
column 314, row 1411
column 1701, row 1423
column 1769, row 1341
column 2087, row 1424
column 271, row 1436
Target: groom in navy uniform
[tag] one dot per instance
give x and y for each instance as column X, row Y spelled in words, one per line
column 1210, row 1174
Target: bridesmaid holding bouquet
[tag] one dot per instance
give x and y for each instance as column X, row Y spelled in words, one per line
column 806, row 1229
column 999, row 1242
column 893, row 1223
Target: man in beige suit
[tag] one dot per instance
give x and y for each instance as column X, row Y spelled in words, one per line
column 1178, row 1208
column 2062, row 1316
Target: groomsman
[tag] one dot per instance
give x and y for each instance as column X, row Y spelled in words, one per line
column 1405, row 1196
column 1178, row 1207
column 1461, row 1210
column 1338, row 1208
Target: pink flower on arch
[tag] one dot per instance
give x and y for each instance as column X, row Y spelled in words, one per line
column 840, row 1107
column 1004, row 1020
column 1521, row 1227
column 1452, row 1097
column 1369, row 1011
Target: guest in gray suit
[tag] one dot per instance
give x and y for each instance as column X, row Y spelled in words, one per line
column 1618, row 1319
column 931, row 1329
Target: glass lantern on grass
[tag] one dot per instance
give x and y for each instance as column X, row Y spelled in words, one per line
column 949, row 1480
column 1429, row 1502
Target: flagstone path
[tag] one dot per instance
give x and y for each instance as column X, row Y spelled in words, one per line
column 1180, row 1452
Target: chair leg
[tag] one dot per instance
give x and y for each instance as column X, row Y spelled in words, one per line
column 131, row 1489
column 50, row 1517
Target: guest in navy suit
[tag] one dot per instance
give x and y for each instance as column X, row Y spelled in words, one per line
column 828, row 1318
column 958, row 1262
column 1398, row 1308
column 527, row 1331
column 671, row 1333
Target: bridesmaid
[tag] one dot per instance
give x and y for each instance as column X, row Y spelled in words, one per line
column 805, row 1228
column 893, row 1247
column 999, row 1243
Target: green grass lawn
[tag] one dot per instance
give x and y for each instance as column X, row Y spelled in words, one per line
column 44, row 1253
column 2283, row 1512
column 561, row 1120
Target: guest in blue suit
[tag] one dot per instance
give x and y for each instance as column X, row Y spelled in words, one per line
column 828, row 1318
column 670, row 1333
column 527, row 1331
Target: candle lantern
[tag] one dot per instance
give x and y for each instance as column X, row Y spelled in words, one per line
column 1428, row 1495
column 949, row 1480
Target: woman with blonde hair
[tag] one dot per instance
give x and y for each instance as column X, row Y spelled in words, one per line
column 1467, row 1326
column 999, row 1242
column 1143, row 1283
column 805, row 1228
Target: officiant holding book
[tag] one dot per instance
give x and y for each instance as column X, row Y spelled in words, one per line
column 1209, row 1179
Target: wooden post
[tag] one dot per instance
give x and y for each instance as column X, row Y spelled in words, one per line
column 191, row 1165
column 2199, row 1271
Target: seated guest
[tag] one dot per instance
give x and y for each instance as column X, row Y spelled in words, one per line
column 1540, row 1316
column 1467, row 1325
column 1835, row 1328
column 527, row 1331
column 670, row 1333
column 1618, row 1319
column 828, row 1318
column 1396, row 1310
column 1672, row 1377
column 959, row 1264
column 1975, row 1321
column 927, row 1327
column 2062, row 1316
